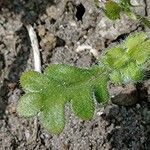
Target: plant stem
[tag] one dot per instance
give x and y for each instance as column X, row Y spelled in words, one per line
column 35, row 47
column 37, row 67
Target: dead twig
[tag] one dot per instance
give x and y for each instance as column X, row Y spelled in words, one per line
column 35, row 48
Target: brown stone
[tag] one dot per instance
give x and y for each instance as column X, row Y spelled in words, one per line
column 124, row 95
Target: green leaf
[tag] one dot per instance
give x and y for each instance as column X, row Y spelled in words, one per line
column 116, row 77
column 125, row 2
column 126, row 62
column 32, row 81
column 101, row 90
column 61, row 84
column 47, row 93
column 133, row 41
column 131, row 15
column 68, row 74
column 115, row 58
column 125, row 5
column 138, row 48
column 30, row 104
column 112, row 10
column 132, row 72
column 82, row 102
column 53, row 118
column 141, row 53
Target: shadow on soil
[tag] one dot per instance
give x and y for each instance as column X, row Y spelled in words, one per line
column 129, row 127
column 16, row 68
column 31, row 9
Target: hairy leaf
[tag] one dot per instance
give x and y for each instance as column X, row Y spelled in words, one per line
column 101, row 90
column 60, row 84
column 132, row 72
column 82, row 103
column 115, row 58
column 133, row 41
column 30, row 104
column 126, row 61
column 31, row 81
column 112, row 10
column 125, row 2
column 53, row 118
column 47, row 93
column 116, row 77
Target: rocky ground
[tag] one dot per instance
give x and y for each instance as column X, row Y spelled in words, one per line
column 64, row 29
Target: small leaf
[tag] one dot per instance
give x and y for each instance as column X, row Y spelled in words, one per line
column 32, row 81
column 131, row 15
column 101, row 90
column 133, row 41
column 132, row 72
column 82, row 103
column 112, row 10
column 115, row 58
column 29, row 104
column 116, row 77
column 125, row 2
column 138, row 48
column 126, row 62
column 141, row 53
column 125, row 5
column 53, row 119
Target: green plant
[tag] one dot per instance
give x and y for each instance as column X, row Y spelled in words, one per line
column 114, row 9
column 46, row 94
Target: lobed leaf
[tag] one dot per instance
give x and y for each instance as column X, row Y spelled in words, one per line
column 58, row 85
column 30, row 104
column 53, row 118
column 116, row 77
column 132, row 72
column 114, row 9
column 47, row 94
column 82, row 102
column 125, row 62
column 32, row 81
